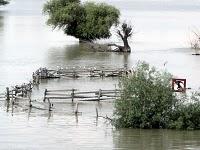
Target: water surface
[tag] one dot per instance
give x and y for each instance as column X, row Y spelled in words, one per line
column 162, row 32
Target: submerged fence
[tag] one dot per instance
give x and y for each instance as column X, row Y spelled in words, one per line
column 56, row 96
column 44, row 73
column 22, row 93
column 74, row 94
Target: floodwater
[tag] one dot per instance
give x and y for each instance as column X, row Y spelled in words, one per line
column 162, row 33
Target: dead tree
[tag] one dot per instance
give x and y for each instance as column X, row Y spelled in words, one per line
column 195, row 42
column 124, row 33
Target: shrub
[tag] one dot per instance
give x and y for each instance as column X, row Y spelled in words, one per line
column 187, row 114
column 147, row 101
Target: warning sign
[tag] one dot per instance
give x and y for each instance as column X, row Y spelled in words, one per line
column 179, row 85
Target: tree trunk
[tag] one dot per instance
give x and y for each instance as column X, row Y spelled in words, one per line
column 126, row 47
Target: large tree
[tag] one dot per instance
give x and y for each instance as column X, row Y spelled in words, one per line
column 86, row 21
column 3, row 2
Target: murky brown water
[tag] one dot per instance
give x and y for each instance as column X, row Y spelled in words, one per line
column 26, row 44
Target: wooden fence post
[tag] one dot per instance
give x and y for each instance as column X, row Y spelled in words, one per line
column 30, row 103
column 50, row 105
column 7, row 94
column 97, row 114
column 99, row 95
column 74, row 73
column 45, row 93
column 29, row 98
column 72, row 94
column 76, row 110
column 13, row 102
column 102, row 74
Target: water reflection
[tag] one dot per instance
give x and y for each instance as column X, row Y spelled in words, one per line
column 81, row 55
column 156, row 139
column 2, row 14
column 1, row 21
column 26, row 44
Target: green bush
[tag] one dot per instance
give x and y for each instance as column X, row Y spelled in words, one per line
column 187, row 114
column 147, row 101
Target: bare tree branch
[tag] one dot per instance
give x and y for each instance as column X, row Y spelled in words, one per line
column 119, row 33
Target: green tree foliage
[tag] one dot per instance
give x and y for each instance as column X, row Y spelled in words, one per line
column 147, row 101
column 3, row 2
column 187, row 116
column 88, row 21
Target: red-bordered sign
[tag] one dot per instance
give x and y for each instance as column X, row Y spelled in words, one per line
column 179, row 85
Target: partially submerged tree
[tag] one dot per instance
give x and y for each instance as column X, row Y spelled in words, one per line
column 3, row 2
column 124, row 33
column 87, row 22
